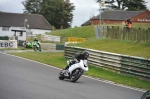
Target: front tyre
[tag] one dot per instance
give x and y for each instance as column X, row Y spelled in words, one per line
column 35, row 48
column 76, row 75
column 39, row 48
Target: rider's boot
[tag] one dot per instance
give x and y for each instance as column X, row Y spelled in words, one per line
column 67, row 67
column 67, row 73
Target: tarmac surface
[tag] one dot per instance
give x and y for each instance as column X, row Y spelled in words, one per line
column 22, row 78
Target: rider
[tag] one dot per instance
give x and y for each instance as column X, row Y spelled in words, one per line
column 35, row 39
column 24, row 43
column 77, row 58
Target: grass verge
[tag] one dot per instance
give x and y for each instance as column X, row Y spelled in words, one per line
column 117, row 46
column 58, row 60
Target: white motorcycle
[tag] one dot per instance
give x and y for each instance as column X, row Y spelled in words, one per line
column 75, row 71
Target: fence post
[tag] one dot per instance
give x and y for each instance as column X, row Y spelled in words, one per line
column 117, row 33
column 124, row 31
column 113, row 32
column 97, row 31
column 130, row 34
column 107, row 34
column 148, row 35
column 139, row 35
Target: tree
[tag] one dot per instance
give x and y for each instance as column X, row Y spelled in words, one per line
column 136, row 5
column 32, row 6
column 67, row 14
column 57, row 12
column 131, row 5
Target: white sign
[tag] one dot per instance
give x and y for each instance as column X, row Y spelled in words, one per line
column 8, row 44
column 143, row 20
column 50, row 38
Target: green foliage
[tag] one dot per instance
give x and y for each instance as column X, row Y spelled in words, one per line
column 57, row 12
column 136, row 5
column 32, row 6
column 131, row 5
column 53, row 28
column 4, row 38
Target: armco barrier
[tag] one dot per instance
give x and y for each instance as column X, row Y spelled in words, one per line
column 59, row 46
column 51, row 46
column 123, row 64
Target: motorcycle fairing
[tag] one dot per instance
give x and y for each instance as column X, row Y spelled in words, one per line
column 82, row 64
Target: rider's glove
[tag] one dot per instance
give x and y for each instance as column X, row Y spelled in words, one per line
column 76, row 61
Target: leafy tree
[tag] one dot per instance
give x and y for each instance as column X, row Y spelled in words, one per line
column 67, row 14
column 32, row 6
column 131, row 5
column 134, row 5
column 57, row 12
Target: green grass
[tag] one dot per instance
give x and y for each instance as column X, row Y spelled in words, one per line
column 117, row 46
column 82, row 32
column 58, row 60
column 88, row 31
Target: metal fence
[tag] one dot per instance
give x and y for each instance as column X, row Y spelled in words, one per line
column 123, row 64
column 123, row 33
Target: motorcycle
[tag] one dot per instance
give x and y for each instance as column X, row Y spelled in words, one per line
column 36, row 46
column 27, row 44
column 146, row 95
column 75, row 71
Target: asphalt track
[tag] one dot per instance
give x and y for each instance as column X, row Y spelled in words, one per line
column 25, row 79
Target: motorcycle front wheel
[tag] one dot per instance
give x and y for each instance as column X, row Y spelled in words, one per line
column 76, row 74
column 35, row 48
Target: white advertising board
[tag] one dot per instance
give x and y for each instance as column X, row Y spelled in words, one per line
column 8, row 44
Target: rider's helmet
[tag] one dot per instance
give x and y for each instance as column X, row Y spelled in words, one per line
column 85, row 54
column 35, row 39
